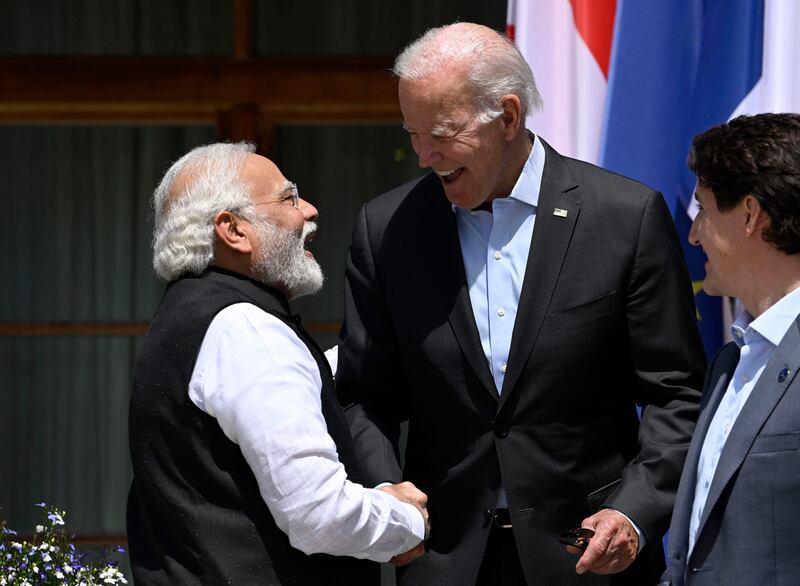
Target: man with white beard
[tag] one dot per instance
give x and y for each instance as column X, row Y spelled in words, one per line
column 244, row 469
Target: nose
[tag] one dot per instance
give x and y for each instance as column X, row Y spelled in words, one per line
column 309, row 212
column 426, row 151
column 692, row 237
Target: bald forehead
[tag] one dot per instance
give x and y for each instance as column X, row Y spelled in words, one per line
column 449, row 89
column 262, row 173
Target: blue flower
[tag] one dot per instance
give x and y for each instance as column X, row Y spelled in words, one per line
column 42, row 505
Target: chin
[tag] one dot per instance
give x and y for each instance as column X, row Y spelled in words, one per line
column 462, row 202
column 310, row 282
column 710, row 287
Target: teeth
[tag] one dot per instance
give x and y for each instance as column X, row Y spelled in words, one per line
column 445, row 173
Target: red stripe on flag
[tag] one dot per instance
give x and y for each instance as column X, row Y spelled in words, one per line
column 510, row 31
column 594, row 20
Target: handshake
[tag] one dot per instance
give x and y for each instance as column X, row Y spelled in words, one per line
column 408, row 493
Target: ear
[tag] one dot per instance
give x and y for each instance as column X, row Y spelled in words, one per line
column 231, row 233
column 756, row 219
column 511, row 116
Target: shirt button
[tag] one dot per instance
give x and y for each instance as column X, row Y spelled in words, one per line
column 503, row 367
column 497, row 255
column 501, row 312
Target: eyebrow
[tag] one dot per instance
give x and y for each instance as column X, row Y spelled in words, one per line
column 444, row 128
column 287, row 186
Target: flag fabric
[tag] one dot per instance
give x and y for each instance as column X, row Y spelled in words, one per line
column 672, row 69
column 568, row 45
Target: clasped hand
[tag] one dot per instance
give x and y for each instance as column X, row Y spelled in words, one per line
column 408, row 493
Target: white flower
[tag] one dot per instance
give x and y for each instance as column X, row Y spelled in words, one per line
column 36, row 568
column 46, row 557
column 39, row 528
column 26, row 583
column 67, row 569
column 45, row 547
column 59, row 575
column 112, row 575
column 16, row 545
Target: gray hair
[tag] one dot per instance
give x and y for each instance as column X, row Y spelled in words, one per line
column 203, row 182
column 493, row 66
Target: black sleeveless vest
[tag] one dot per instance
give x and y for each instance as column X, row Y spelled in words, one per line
column 195, row 515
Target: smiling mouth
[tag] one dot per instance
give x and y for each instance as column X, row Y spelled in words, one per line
column 307, row 242
column 450, row 175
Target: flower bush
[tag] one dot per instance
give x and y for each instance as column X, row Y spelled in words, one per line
column 48, row 558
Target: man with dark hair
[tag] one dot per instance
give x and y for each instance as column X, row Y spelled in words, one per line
column 514, row 305
column 737, row 514
column 243, row 467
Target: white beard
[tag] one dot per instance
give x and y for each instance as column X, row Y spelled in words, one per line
column 282, row 261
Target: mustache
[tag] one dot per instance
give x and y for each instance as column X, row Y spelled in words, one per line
column 309, row 229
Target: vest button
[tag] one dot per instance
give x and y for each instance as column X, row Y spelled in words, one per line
column 500, row 431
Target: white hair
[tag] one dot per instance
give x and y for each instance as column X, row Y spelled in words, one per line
column 200, row 184
column 493, row 66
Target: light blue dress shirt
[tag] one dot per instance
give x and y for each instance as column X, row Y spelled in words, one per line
column 495, row 248
column 757, row 342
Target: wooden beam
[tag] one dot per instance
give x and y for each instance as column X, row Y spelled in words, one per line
column 92, row 89
column 242, row 122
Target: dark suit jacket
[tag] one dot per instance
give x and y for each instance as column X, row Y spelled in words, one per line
column 749, row 533
column 606, row 319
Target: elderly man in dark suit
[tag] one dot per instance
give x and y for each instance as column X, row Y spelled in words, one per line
column 737, row 513
column 514, row 305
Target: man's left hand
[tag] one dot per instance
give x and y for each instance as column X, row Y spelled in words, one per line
column 612, row 548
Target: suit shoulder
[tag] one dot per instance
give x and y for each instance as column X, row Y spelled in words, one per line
column 381, row 208
column 609, row 183
column 396, row 195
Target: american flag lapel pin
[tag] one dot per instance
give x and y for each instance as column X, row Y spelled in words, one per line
column 560, row 213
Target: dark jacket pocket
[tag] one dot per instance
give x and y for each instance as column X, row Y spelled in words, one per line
column 776, row 442
column 584, row 312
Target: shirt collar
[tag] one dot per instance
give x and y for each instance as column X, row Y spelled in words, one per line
column 773, row 323
column 529, row 182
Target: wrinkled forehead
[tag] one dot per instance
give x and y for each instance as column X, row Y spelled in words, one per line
column 263, row 176
column 435, row 101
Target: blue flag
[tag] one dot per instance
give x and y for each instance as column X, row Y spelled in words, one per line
column 677, row 68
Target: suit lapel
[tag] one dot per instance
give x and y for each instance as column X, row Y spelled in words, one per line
column 765, row 396
column 556, row 217
column 450, row 278
column 716, row 385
